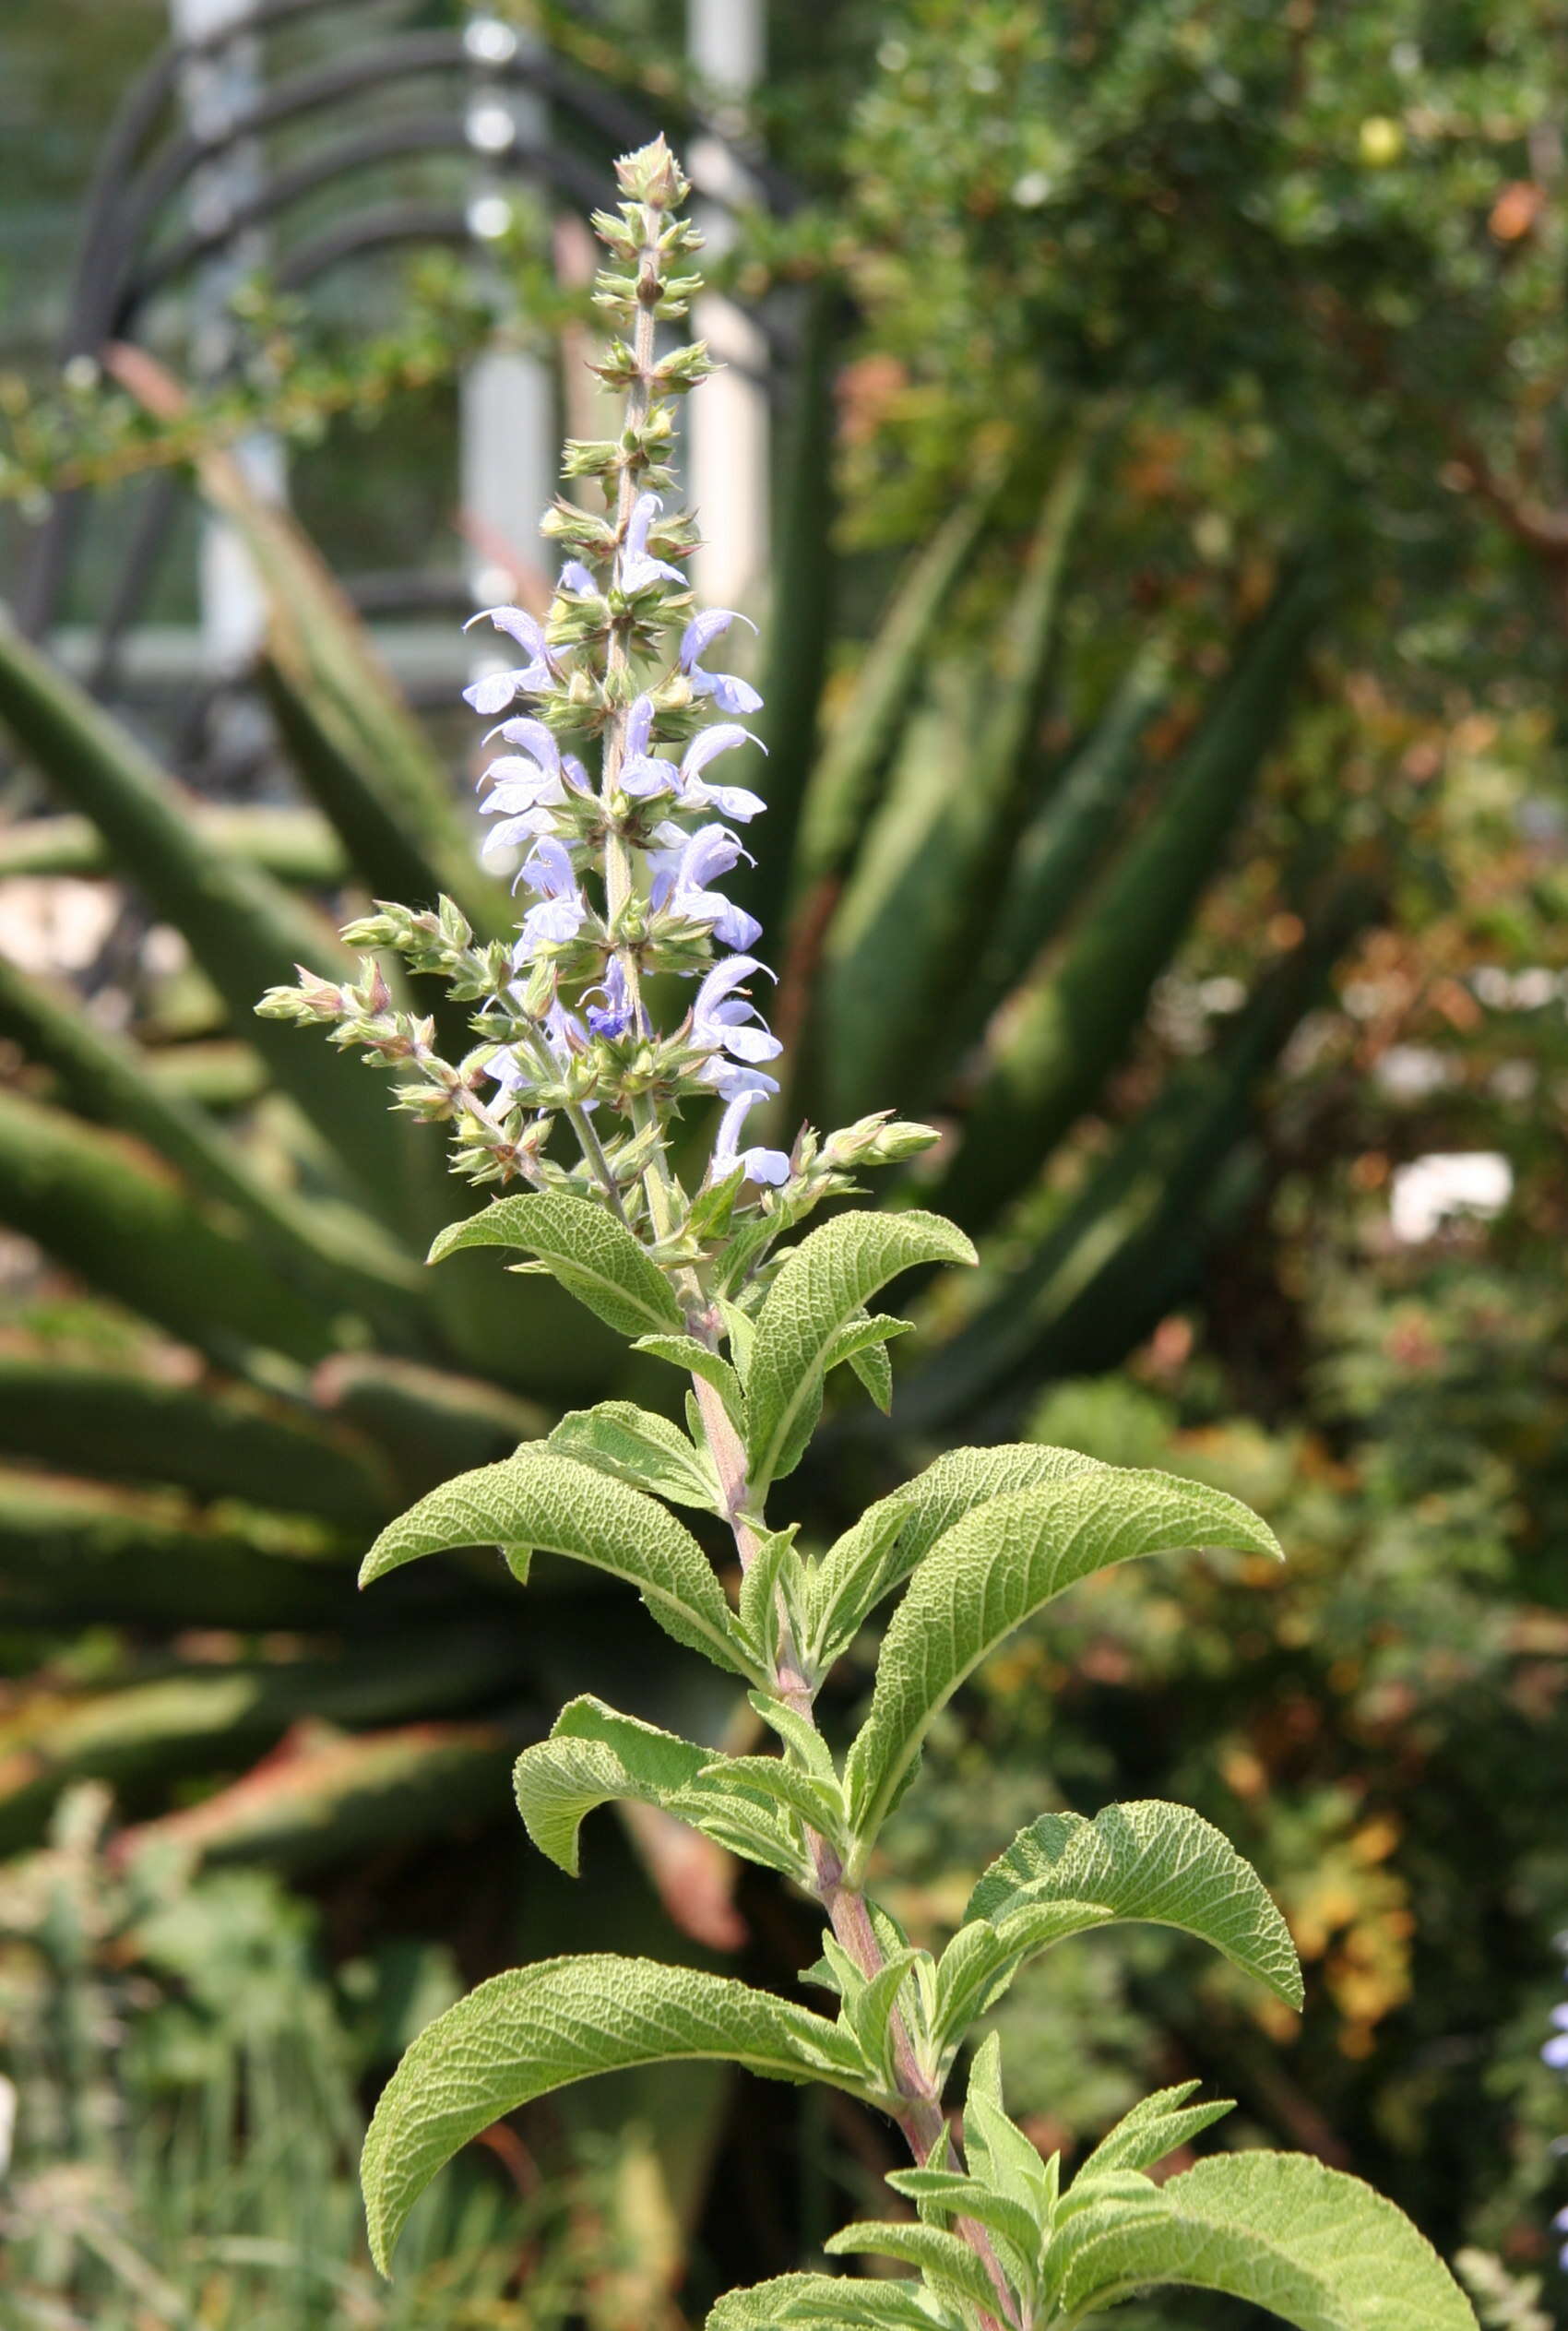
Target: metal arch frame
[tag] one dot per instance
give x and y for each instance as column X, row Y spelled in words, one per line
column 111, row 291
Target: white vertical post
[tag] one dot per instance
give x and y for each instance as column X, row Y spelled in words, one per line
column 217, row 91
column 727, row 459
column 507, row 448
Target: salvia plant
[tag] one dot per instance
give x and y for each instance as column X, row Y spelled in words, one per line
column 579, row 1073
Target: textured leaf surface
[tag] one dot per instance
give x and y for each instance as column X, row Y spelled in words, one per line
column 633, row 1444
column 897, row 1532
column 594, row 1754
column 821, row 1286
column 949, row 2262
column 994, row 1569
column 1147, row 1860
column 595, row 1257
column 1316, row 2248
column 553, row 1505
column 540, row 2027
column 696, row 1360
column 829, row 2302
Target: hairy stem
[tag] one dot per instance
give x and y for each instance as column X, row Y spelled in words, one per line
column 919, row 2109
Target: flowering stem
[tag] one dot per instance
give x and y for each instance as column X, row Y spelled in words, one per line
column 919, row 2112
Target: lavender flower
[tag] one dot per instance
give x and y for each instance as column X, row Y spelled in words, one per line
column 610, row 727
column 728, row 693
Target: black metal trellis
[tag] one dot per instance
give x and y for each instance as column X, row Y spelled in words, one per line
column 138, row 245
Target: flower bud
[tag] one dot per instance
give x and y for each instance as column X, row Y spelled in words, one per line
column 878, row 1140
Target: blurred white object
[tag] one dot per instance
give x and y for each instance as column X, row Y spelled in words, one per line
column 507, row 449
column 1431, row 1189
column 218, row 89
column 51, row 923
column 727, row 455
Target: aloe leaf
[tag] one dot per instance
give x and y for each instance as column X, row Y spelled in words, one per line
column 85, row 1419
column 90, row 1199
column 1064, row 846
column 822, row 1284
column 799, row 629
column 551, row 1504
column 74, row 1552
column 141, row 1736
column 425, row 1423
column 539, row 2027
column 924, row 881
column 357, row 744
column 246, row 933
column 991, row 1571
column 323, row 1796
column 1308, row 2245
column 865, row 736
column 340, row 1257
column 290, row 844
column 1129, row 1244
column 1066, row 1031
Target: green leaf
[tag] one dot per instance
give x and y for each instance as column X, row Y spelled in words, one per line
column 695, row 1359
column 78, row 1417
column 246, row 933
column 633, row 1444
column 871, row 2011
column 862, row 1342
column 1000, row 2214
column 1147, row 1860
column 539, row 2027
column 294, row 845
column 821, row 1285
column 866, row 735
column 776, row 1571
column 595, row 1755
column 831, row 2302
column 817, row 1801
column 341, row 1257
column 556, row 1506
column 947, row 2262
column 1155, row 2126
column 1316, row 2248
column 129, row 1228
column 595, row 1257
column 990, row 1572
column 1063, row 1031
column 897, row 1533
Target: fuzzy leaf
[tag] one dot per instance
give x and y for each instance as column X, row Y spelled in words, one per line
column 947, row 2262
column 594, row 1754
column 595, row 1257
column 1145, row 1860
column 539, row 2027
column 1312, row 2246
column 894, row 1535
column 990, row 1572
column 830, row 2303
column 632, row 1444
column 695, row 1359
column 556, row 1506
column 818, row 1803
column 822, row 1284
column 1155, row 2126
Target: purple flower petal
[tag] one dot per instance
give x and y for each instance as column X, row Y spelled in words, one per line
column 518, row 623
column 708, row 744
